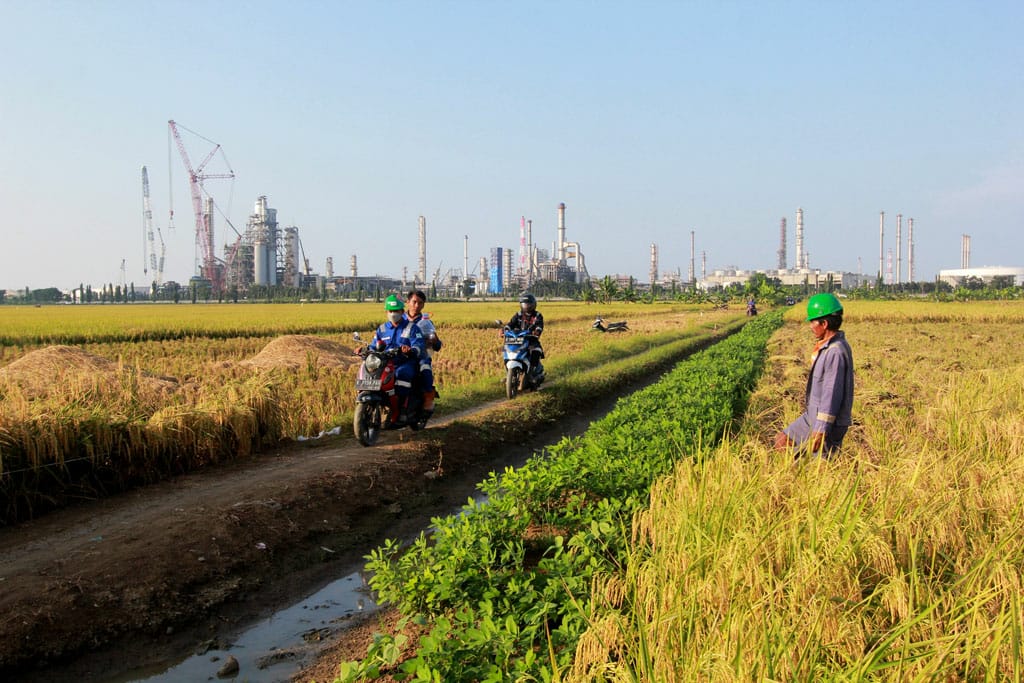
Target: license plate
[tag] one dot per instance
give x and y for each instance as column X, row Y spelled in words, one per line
column 368, row 384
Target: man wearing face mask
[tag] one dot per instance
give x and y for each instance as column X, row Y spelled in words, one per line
column 398, row 333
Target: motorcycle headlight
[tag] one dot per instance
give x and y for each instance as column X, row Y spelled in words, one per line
column 373, row 363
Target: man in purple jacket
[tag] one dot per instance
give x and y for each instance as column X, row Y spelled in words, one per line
column 829, row 395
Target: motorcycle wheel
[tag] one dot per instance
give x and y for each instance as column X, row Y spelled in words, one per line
column 512, row 382
column 366, row 423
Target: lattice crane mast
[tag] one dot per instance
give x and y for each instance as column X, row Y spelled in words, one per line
column 150, row 260
column 210, row 267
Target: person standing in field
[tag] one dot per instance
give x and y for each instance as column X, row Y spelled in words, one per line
column 829, row 395
column 416, row 299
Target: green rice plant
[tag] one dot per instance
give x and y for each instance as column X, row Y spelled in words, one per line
column 512, row 576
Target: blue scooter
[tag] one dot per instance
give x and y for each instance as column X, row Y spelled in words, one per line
column 520, row 371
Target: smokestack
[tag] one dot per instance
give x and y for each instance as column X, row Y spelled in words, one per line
column 465, row 257
column 899, row 246
column 888, row 267
column 703, row 265
column 561, row 233
column 422, row 275
column 529, row 253
column 965, row 251
column 692, row 274
column 329, row 267
column 654, row 264
column 881, row 244
column 522, row 245
column 782, row 244
column 800, row 264
column 353, row 270
column 910, row 250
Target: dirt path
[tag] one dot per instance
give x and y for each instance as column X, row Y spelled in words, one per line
column 107, row 586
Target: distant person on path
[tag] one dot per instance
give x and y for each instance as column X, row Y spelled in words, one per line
column 416, row 299
column 829, row 395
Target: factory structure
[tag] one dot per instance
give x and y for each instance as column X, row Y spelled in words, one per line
column 801, row 273
column 267, row 255
column 986, row 274
column 565, row 261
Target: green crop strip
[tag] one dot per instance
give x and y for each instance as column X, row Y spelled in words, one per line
column 501, row 591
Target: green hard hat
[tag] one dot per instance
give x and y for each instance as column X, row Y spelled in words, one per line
column 820, row 305
column 393, row 303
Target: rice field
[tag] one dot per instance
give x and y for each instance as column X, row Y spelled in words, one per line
column 141, row 391
column 900, row 559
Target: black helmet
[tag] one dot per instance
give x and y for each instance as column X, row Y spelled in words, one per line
column 527, row 302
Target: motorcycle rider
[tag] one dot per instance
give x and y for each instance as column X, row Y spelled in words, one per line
column 528, row 318
column 414, row 314
column 398, row 332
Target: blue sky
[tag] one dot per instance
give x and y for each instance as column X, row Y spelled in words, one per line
column 648, row 119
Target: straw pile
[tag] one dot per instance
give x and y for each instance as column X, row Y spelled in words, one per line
column 296, row 351
column 51, row 370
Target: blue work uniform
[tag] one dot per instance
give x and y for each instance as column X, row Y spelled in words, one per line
column 427, row 328
column 828, row 397
column 391, row 336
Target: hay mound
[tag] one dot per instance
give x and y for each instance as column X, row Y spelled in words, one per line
column 51, row 370
column 294, row 351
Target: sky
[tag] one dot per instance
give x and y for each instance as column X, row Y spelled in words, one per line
column 649, row 120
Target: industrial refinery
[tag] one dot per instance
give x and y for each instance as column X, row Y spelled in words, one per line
column 266, row 256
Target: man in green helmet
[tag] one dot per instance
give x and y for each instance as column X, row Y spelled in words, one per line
column 398, row 333
column 829, row 395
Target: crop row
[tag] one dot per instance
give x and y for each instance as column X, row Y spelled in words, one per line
column 500, row 591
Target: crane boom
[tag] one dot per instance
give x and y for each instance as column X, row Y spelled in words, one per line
column 210, row 268
column 151, row 262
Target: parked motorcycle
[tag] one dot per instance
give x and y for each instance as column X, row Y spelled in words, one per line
column 520, row 373
column 375, row 385
column 601, row 326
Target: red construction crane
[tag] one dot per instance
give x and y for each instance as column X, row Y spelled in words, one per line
column 210, row 267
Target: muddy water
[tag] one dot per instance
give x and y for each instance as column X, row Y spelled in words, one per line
column 277, row 648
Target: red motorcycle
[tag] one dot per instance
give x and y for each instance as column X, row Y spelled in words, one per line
column 376, row 407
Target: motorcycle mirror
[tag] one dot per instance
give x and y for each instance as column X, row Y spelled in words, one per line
column 499, row 323
column 355, row 336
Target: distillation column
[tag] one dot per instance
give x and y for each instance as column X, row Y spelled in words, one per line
column 782, row 244
column 561, row 234
column 422, row 274
column 899, row 246
column 801, row 263
column 910, row 250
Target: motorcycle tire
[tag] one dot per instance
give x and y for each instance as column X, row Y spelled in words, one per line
column 366, row 423
column 512, row 381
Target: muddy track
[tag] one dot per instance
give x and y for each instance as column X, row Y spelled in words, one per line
column 90, row 592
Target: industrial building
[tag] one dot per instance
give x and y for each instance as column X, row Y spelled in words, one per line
column 564, row 263
column 987, row 274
